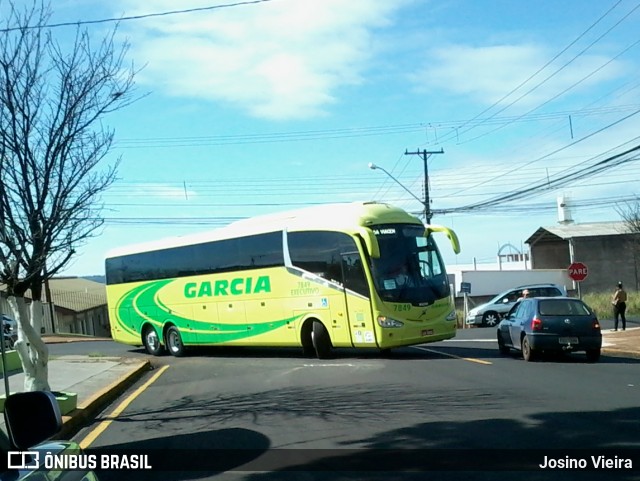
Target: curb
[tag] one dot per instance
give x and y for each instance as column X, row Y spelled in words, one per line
column 87, row 410
column 65, row 340
column 621, row 353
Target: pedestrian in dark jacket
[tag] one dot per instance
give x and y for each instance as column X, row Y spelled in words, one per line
column 619, row 301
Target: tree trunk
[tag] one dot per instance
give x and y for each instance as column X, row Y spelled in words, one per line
column 32, row 350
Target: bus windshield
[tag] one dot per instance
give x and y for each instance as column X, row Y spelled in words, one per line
column 409, row 269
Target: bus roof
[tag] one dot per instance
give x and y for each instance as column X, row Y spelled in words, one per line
column 343, row 216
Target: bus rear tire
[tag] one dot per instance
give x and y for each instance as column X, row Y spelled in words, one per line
column 151, row 341
column 321, row 340
column 174, row 342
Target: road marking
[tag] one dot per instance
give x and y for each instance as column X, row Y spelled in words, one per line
column 470, row 359
column 329, row 365
column 91, row 437
column 470, row 340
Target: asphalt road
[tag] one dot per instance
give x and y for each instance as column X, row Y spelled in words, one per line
column 95, row 348
column 460, row 396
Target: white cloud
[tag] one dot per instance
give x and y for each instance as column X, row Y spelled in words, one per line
column 280, row 60
column 488, row 73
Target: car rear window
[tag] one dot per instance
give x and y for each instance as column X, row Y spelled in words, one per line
column 545, row 292
column 563, row 307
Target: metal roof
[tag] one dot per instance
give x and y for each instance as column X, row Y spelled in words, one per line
column 572, row 231
column 75, row 293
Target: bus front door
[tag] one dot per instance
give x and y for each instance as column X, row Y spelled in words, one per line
column 358, row 301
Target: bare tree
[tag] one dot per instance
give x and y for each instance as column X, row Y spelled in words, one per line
column 630, row 214
column 53, row 100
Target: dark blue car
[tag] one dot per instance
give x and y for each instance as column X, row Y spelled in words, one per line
column 550, row 324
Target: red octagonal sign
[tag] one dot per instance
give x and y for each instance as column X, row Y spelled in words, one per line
column 577, row 271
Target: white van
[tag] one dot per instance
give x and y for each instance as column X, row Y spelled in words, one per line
column 490, row 313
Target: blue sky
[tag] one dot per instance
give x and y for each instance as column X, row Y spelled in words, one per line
column 265, row 107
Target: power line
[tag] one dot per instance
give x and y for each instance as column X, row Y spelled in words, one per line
column 560, row 149
column 634, row 44
column 133, row 17
column 297, row 136
column 558, row 181
column 536, row 73
column 539, row 207
column 535, row 87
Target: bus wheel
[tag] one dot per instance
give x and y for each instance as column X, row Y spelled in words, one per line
column 321, row 340
column 306, row 340
column 152, row 341
column 174, row 341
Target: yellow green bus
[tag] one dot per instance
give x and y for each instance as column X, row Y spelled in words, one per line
column 356, row 275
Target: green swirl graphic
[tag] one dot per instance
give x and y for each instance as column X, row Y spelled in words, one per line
column 142, row 305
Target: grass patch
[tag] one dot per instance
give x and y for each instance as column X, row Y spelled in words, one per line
column 601, row 303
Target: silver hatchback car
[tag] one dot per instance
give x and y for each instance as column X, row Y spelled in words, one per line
column 490, row 313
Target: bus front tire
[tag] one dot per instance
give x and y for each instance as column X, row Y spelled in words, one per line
column 174, row 342
column 321, row 340
column 151, row 341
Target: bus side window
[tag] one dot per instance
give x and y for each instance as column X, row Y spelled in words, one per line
column 321, row 252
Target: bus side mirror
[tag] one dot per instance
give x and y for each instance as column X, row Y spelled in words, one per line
column 31, row 418
column 370, row 242
column 453, row 238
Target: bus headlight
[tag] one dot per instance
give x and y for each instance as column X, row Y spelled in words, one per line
column 452, row 316
column 385, row 321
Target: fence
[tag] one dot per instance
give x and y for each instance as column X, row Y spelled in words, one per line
column 49, row 323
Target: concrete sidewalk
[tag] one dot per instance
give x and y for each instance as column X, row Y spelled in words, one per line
column 622, row 343
column 98, row 381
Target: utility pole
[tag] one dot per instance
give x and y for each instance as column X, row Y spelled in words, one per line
column 425, row 157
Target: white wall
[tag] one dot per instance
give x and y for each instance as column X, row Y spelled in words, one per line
column 488, row 282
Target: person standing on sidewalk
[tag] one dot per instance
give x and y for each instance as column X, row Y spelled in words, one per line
column 619, row 301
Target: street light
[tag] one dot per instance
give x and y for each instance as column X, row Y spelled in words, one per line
column 373, row 166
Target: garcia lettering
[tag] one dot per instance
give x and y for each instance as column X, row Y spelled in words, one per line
column 227, row 287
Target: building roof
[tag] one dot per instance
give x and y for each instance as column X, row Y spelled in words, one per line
column 75, row 293
column 572, row 231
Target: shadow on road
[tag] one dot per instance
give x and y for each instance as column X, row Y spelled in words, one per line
column 493, row 449
column 427, row 352
column 187, row 456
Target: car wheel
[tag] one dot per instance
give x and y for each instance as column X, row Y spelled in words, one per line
column 490, row 319
column 321, row 340
column 9, row 343
column 151, row 341
column 174, row 342
column 593, row 355
column 527, row 353
column 504, row 350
